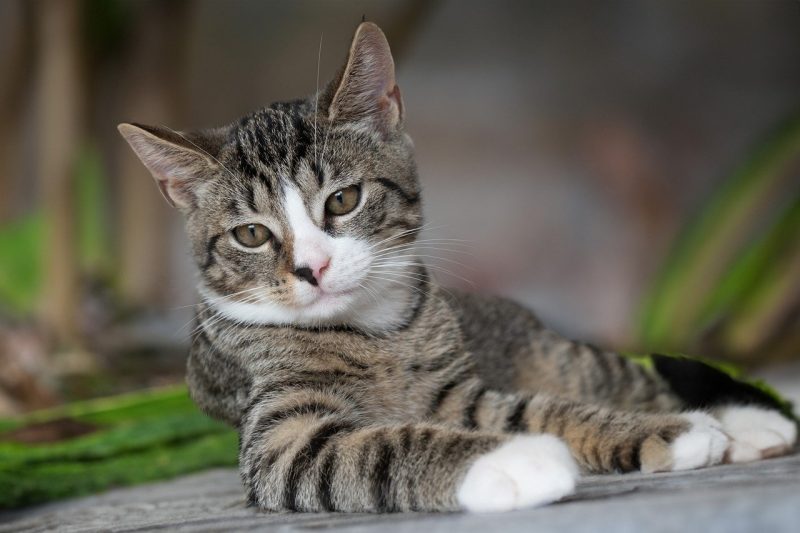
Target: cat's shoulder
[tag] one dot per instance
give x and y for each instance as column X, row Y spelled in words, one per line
column 476, row 310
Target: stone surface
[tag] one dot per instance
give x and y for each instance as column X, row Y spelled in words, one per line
column 763, row 496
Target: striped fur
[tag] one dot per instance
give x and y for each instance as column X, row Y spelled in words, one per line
column 385, row 404
column 340, row 420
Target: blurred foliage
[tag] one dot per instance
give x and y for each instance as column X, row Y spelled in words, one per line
column 21, row 264
column 91, row 194
column 22, row 242
column 138, row 437
column 106, row 27
column 731, row 284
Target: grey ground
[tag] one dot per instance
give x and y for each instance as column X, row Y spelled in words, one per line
column 757, row 497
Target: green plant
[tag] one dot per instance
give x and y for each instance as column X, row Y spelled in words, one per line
column 134, row 438
column 23, row 242
column 731, row 283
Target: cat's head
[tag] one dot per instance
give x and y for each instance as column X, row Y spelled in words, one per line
column 301, row 213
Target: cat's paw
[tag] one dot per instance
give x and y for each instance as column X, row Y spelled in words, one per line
column 704, row 444
column 756, row 433
column 524, row 472
column 699, row 442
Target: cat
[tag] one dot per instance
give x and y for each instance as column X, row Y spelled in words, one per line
column 356, row 382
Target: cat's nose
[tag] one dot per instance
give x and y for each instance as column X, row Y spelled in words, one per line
column 306, row 274
column 312, row 273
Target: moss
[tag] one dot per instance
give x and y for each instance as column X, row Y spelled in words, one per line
column 26, row 484
column 140, row 437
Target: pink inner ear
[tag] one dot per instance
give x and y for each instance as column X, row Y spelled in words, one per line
column 394, row 94
column 163, row 186
column 176, row 191
column 182, row 191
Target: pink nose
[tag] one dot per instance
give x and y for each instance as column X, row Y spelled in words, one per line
column 320, row 267
column 313, row 272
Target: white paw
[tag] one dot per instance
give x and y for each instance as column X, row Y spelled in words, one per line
column 524, row 472
column 757, row 433
column 703, row 445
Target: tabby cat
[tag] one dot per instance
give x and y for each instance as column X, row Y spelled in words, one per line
column 357, row 383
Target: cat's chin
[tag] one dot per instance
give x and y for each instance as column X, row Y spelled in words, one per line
column 322, row 307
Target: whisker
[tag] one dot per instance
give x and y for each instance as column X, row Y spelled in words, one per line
column 424, row 251
column 212, row 300
column 411, row 231
column 331, row 118
column 453, row 242
column 438, row 268
column 398, row 282
column 316, row 96
column 411, row 249
column 427, row 256
column 201, row 149
column 404, row 233
column 369, row 291
column 219, row 317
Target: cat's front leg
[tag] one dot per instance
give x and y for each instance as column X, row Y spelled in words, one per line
column 217, row 383
column 311, row 451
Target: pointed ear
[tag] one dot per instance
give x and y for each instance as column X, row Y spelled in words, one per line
column 177, row 161
column 366, row 90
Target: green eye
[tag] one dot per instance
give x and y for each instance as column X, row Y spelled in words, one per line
column 343, row 201
column 251, row 235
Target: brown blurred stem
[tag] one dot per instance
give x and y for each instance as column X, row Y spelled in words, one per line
column 59, row 132
column 153, row 90
column 13, row 96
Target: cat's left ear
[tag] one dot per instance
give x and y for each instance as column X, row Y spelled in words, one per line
column 179, row 162
column 366, row 91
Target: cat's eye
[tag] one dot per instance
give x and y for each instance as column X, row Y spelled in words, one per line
column 343, row 201
column 251, row 235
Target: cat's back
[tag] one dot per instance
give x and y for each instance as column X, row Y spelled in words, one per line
column 496, row 330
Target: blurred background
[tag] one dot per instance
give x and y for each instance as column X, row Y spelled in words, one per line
column 629, row 169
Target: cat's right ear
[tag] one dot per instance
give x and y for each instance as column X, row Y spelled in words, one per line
column 365, row 91
column 177, row 161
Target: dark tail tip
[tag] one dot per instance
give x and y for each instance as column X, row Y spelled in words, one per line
column 701, row 385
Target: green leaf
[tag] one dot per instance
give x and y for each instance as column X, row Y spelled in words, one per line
column 689, row 289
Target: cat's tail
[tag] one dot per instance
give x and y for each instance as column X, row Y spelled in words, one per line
column 701, row 385
column 759, row 422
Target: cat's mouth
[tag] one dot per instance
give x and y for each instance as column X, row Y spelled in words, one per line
column 324, row 304
column 309, row 297
column 331, row 295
